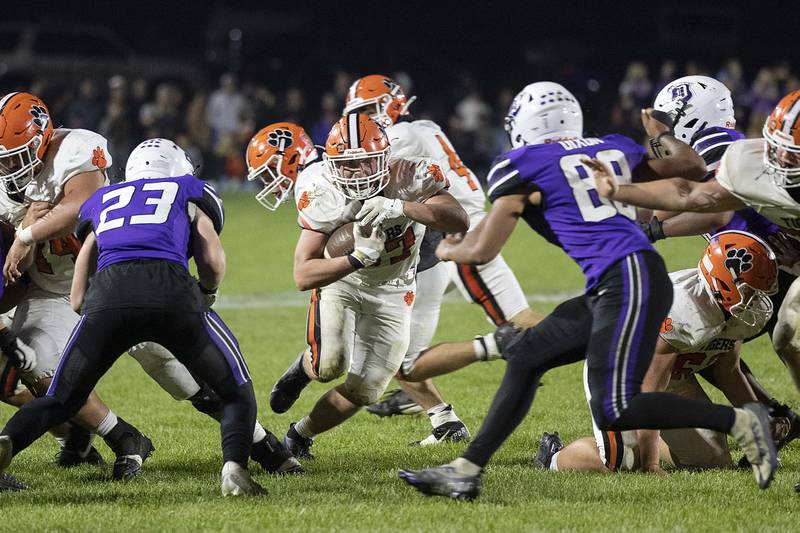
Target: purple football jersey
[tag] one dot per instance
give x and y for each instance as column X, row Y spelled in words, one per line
column 595, row 232
column 749, row 220
column 146, row 219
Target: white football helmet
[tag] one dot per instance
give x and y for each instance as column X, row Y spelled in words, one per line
column 696, row 103
column 157, row 158
column 542, row 111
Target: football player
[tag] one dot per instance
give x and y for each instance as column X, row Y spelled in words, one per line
column 545, row 181
column 158, row 362
column 138, row 236
column 58, row 169
column 701, row 113
column 758, row 173
column 369, row 292
column 716, row 305
column 492, row 285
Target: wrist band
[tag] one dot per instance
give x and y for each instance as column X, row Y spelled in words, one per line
column 354, row 262
column 26, row 236
column 206, row 291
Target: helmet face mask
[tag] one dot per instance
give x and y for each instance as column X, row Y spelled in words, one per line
column 277, row 187
column 359, row 175
column 782, row 141
column 18, row 167
column 753, row 306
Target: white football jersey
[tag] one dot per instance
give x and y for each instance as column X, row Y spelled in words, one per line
column 425, row 139
column 71, row 152
column 322, row 207
column 744, row 174
column 697, row 328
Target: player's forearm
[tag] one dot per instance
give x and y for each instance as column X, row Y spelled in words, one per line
column 685, row 224
column 448, row 217
column 472, row 250
column 85, row 265
column 211, row 267
column 687, row 163
column 674, row 194
column 59, row 222
column 316, row 273
column 734, row 386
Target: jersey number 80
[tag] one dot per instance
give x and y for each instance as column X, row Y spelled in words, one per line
column 592, row 206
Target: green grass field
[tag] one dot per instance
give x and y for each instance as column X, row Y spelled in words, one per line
column 353, row 484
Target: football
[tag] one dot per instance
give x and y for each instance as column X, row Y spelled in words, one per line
column 341, row 242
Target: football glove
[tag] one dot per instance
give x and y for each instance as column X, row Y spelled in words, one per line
column 377, row 209
column 209, row 295
column 18, row 353
column 368, row 249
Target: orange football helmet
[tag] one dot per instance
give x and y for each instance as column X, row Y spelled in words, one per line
column 378, row 96
column 741, row 272
column 782, row 137
column 357, row 156
column 25, row 133
column 276, row 155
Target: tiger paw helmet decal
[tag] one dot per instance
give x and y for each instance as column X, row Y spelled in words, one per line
column 738, row 261
column 280, row 138
column 40, row 117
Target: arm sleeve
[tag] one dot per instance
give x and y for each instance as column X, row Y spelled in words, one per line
column 503, row 178
column 210, row 203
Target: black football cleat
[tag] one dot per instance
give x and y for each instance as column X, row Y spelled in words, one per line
column 454, row 431
column 784, row 411
column 299, row 446
column 504, row 336
column 78, row 450
column 9, row 483
column 443, row 481
column 395, row 402
column 549, row 445
column 128, row 466
column 274, row 457
column 287, row 389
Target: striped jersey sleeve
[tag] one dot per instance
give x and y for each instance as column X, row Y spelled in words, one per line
column 503, row 178
column 711, row 143
column 207, row 200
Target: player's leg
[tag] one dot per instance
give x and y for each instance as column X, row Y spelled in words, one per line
column 695, row 448
column 628, row 306
column 45, row 322
column 558, row 340
column 205, row 345
column 786, row 335
column 494, row 287
column 327, row 355
column 382, row 327
column 446, row 426
column 178, row 382
column 89, row 353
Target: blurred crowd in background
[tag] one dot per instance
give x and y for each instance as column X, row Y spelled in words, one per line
column 214, row 125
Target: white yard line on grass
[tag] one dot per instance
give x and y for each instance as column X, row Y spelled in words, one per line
column 298, row 299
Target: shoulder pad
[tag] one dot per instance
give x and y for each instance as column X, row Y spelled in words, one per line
column 80, row 151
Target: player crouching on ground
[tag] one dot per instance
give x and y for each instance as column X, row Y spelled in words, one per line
column 716, row 306
column 137, row 236
column 366, row 288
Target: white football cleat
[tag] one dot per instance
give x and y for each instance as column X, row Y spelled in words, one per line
column 751, row 431
column 236, row 481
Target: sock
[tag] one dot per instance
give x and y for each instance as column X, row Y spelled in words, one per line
column 439, row 414
column 259, row 433
column 465, row 467
column 302, row 429
column 107, row 424
column 554, row 462
column 485, row 348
